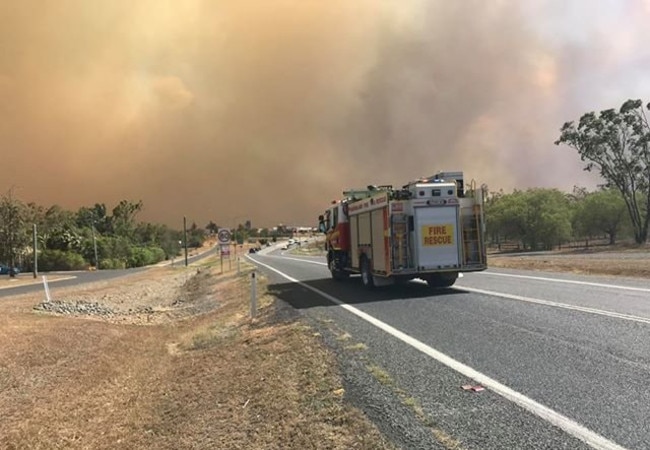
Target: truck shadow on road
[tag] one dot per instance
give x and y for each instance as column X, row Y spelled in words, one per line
column 352, row 292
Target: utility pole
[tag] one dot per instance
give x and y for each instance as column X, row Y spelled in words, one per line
column 35, row 252
column 185, row 238
column 95, row 246
column 12, row 233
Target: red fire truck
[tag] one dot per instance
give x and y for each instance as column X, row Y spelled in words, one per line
column 432, row 228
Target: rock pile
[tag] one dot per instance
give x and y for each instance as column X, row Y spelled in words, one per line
column 152, row 297
column 78, row 307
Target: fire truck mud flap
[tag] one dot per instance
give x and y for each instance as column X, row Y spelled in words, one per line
column 367, row 278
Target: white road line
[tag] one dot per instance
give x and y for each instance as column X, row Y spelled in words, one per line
column 573, row 428
column 538, row 301
column 37, row 281
column 301, row 260
column 559, row 280
column 529, row 277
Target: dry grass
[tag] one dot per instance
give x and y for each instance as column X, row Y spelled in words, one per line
column 615, row 262
column 214, row 380
column 380, row 374
column 313, row 247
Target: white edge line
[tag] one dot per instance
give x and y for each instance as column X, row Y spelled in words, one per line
column 38, row 281
column 560, row 280
column 585, row 309
column 568, row 425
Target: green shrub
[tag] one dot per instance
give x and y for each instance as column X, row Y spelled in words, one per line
column 158, row 254
column 112, row 263
column 145, row 256
column 49, row 260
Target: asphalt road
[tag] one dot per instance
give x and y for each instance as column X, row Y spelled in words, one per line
column 83, row 277
column 565, row 359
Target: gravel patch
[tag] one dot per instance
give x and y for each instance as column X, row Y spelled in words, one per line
column 157, row 296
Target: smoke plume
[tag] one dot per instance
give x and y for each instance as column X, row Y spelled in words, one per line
column 267, row 110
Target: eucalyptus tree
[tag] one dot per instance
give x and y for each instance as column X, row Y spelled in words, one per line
column 617, row 145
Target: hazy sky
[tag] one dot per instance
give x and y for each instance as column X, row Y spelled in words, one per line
column 228, row 110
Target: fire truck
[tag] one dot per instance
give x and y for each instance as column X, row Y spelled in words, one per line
column 432, row 228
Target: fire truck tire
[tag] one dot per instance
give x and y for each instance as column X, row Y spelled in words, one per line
column 366, row 274
column 337, row 274
column 442, row 280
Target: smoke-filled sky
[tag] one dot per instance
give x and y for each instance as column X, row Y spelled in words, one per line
column 228, row 110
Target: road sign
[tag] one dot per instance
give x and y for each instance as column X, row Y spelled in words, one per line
column 224, row 236
column 225, row 250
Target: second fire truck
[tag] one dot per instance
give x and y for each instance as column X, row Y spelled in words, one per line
column 432, row 228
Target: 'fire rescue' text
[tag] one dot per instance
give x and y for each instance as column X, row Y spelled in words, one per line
column 437, row 235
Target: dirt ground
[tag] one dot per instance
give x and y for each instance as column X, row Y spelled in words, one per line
column 613, row 261
column 169, row 358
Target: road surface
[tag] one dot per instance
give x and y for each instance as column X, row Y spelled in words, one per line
column 565, row 359
column 67, row 279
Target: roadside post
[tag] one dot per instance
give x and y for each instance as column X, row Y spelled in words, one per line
column 253, row 295
column 185, row 238
column 47, row 289
column 223, row 236
column 225, row 253
column 35, row 252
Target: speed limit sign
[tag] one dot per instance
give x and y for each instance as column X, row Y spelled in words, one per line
column 224, row 236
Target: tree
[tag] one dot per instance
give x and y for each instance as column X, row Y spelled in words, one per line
column 536, row 217
column 601, row 212
column 124, row 217
column 212, row 227
column 13, row 232
column 547, row 218
column 617, row 144
column 504, row 216
column 95, row 216
column 195, row 236
column 59, row 229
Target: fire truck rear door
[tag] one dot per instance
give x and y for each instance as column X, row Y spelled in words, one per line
column 436, row 237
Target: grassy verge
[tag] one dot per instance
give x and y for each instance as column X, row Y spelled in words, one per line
column 217, row 380
column 605, row 263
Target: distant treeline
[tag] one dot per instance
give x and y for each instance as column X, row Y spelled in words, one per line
column 542, row 219
column 70, row 240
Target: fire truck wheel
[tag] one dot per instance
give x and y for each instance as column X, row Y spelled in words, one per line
column 442, row 280
column 337, row 274
column 366, row 274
